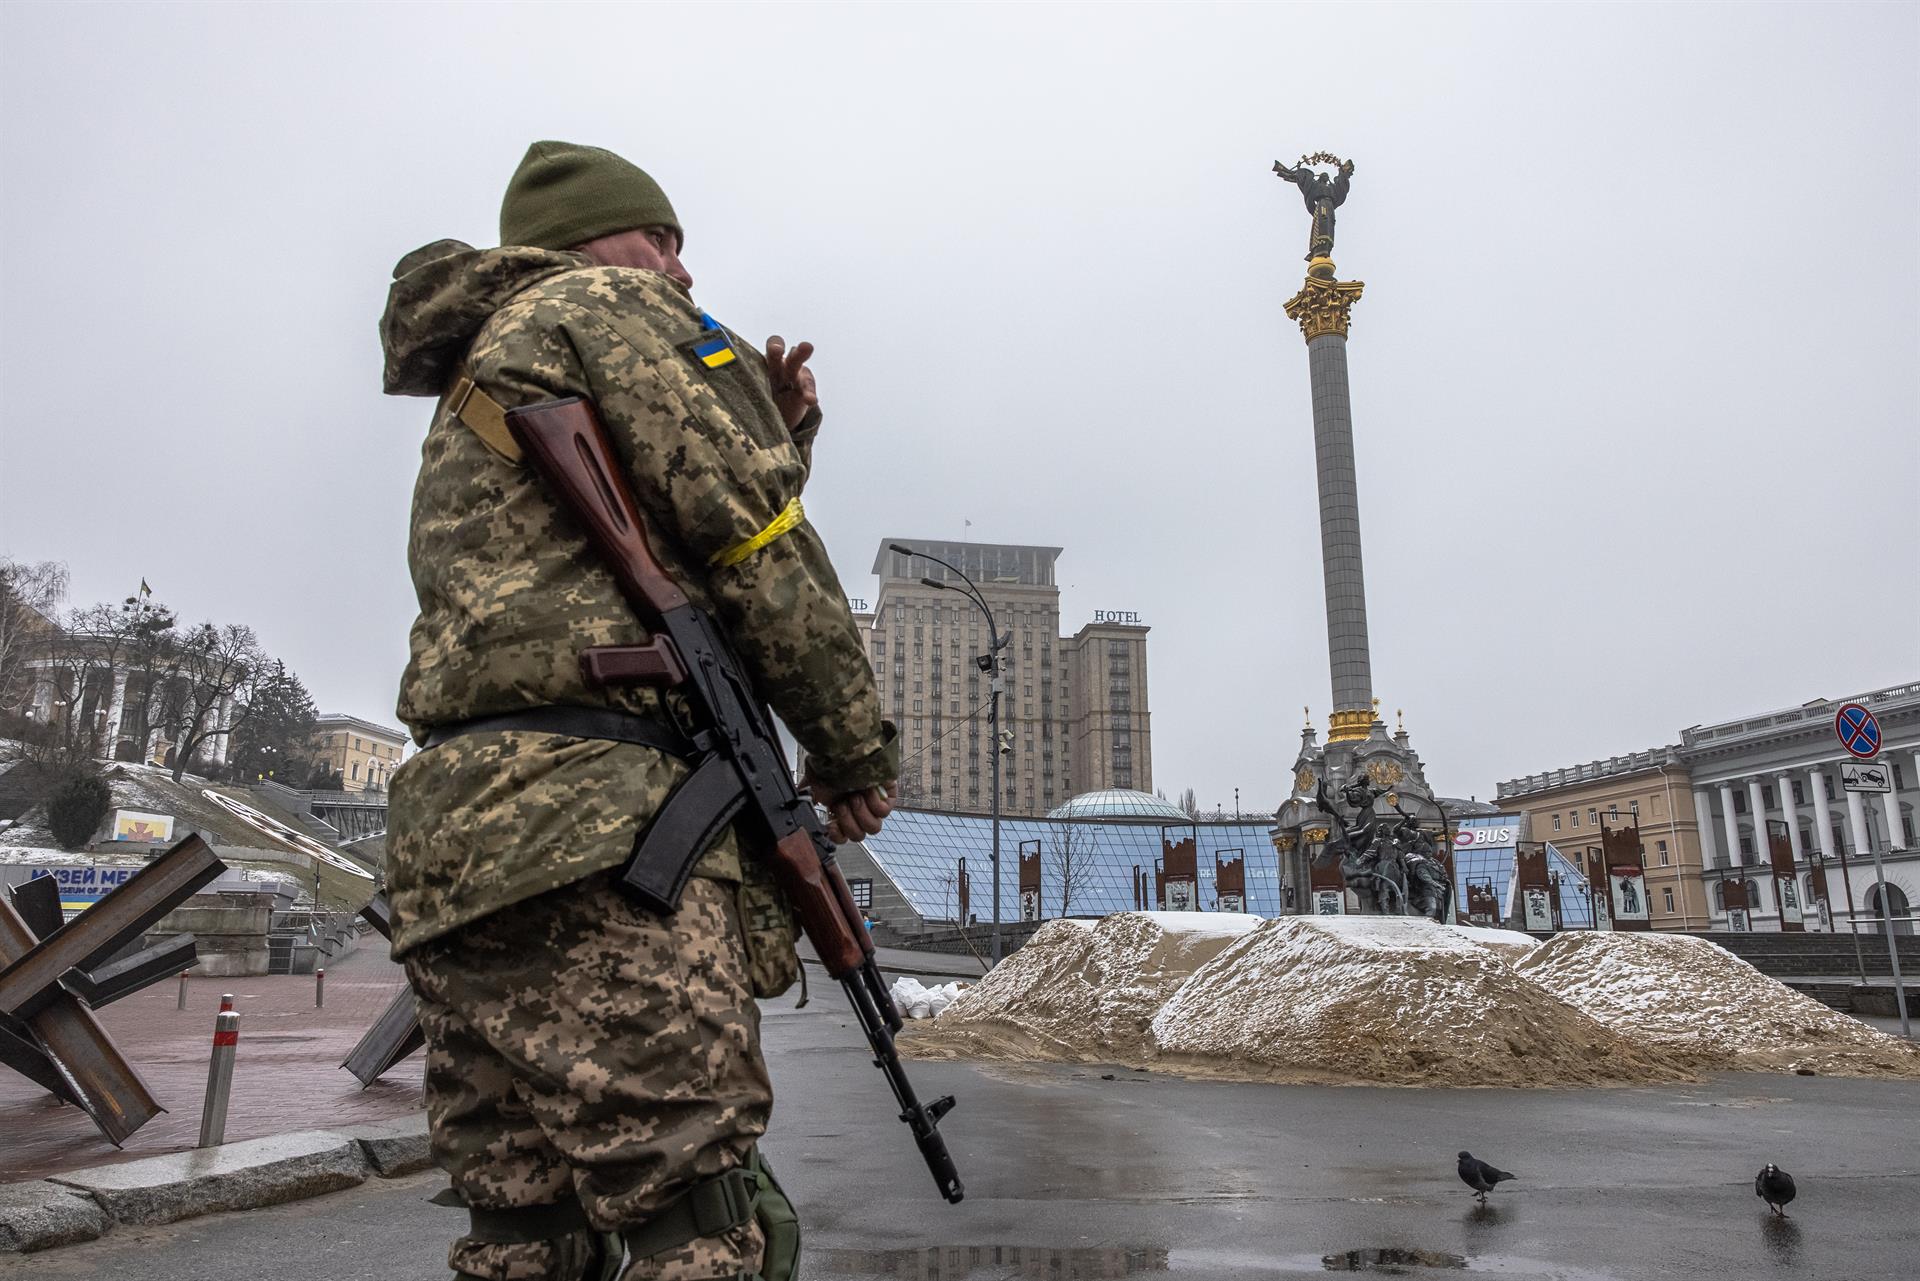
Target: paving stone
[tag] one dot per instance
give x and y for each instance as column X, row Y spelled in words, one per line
column 238, row 1176
column 39, row 1215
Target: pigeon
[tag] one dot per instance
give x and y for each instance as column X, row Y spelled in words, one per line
column 1480, row 1176
column 1775, row 1186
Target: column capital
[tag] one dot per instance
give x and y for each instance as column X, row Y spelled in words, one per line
column 1323, row 306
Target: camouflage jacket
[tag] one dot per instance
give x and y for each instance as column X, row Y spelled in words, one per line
column 508, row 596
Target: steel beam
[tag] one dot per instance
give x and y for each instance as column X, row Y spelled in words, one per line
column 38, row 902
column 397, row 1032
column 19, row 1051
column 130, row 974
column 107, row 1087
column 30, row 981
column 394, row 1036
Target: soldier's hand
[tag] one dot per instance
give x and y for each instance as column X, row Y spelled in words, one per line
column 794, row 393
column 852, row 815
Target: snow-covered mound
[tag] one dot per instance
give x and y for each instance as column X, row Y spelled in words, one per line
column 1511, row 945
column 1394, row 1000
column 1691, row 995
column 1081, row 994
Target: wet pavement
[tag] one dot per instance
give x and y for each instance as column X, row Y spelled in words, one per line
column 1088, row 1172
column 286, row 1073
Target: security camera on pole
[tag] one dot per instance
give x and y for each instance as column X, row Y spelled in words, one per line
column 989, row 663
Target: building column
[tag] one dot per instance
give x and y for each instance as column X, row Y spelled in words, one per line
column 224, row 723
column 1783, row 783
column 1857, row 824
column 1703, row 820
column 116, row 712
column 1823, row 817
column 42, row 707
column 1757, row 804
column 1896, row 831
column 1732, row 823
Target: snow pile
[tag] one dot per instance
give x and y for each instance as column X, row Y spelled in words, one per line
column 1693, row 996
column 915, row 1000
column 1081, row 992
column 1509, row 945
column 1394, row 1000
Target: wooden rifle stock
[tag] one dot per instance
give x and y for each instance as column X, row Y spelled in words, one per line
column 820, row 896
column 572, row 451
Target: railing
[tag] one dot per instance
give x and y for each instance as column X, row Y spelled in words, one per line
column 1817, row 713
column 1611, row 767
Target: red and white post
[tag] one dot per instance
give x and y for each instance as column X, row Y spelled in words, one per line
column 226, row 1043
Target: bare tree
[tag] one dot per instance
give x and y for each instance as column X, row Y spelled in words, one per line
column 1069, row 855
column 214, row 674
column 1190, row 803
column 30, row 595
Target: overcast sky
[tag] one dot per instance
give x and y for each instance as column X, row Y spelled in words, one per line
column 1634, row 379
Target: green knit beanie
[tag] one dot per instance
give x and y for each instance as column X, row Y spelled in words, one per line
column 564, row 195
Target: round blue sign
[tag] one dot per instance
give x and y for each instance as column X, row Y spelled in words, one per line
column 1858, row 730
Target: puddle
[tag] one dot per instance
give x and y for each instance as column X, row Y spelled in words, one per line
column 955, row 1262
column 1393, row 1261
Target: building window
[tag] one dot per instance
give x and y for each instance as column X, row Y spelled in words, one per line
column 1556, row 822
column 1746, row 847
column 1593, row 817
column 356, row 769
column 862, row 887
column 1740, row 802
column 1799, row 793
column 1573, row 817
column 1766, row 795
column 1661, row 846
column 1668, row 893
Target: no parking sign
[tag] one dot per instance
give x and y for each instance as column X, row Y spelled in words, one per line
column 1858, row 730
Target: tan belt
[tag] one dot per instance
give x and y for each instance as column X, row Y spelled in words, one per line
column 484, row 418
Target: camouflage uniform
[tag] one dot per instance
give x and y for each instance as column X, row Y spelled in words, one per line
column 577, row 1045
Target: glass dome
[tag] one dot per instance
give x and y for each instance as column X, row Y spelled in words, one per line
column 1120, row 803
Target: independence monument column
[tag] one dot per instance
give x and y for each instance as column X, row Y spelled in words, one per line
column 1322, row 308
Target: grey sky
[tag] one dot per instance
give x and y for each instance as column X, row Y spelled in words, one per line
column 1634, row 378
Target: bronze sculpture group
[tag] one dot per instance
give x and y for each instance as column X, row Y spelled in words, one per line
column 1390, row 864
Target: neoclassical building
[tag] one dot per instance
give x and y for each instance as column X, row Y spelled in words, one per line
column 1716, row 798
column 1783, row 766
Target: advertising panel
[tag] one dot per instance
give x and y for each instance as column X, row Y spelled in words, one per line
column 1538, row 905
column 134, row 825
column 82, row 887
column 1329, row 903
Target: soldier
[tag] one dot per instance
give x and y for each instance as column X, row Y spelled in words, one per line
column 594, row 1079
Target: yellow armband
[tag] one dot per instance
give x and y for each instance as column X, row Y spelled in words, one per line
column 791, row 515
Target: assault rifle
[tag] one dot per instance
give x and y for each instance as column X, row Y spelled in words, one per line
column 741, row 771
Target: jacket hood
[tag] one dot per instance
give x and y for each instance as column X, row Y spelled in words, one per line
column 442, row 294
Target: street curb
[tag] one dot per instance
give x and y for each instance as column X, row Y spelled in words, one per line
column 39, row 1215
column 83, row 1205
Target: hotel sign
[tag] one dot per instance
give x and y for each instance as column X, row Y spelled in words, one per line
column 1125, row 617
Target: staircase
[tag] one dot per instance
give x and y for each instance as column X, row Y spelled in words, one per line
column 1819, row 955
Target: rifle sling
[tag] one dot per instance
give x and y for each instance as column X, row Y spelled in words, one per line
column 606, row 723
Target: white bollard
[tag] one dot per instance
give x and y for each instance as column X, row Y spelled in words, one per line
column 319, row 989
column 226, row 1043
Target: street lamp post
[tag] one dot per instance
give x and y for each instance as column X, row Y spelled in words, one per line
column 989, row 663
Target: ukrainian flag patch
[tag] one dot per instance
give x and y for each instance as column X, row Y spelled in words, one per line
column 714, row 350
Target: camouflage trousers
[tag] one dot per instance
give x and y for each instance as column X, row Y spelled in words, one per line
column 580, row 1046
